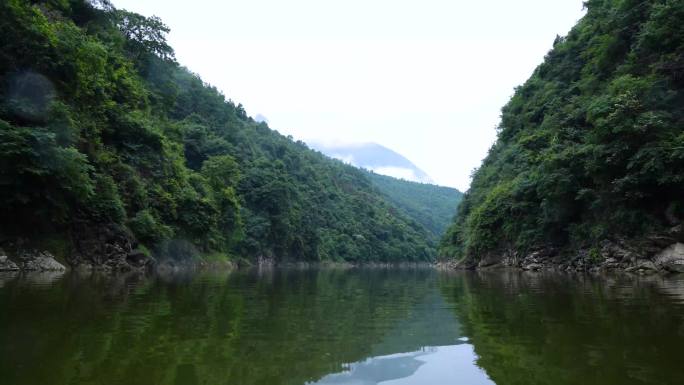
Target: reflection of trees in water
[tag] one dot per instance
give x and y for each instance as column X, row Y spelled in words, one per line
column 428, row 349
column 430, row 323
column 7, row 276
column 543, row 328
column 277, row 327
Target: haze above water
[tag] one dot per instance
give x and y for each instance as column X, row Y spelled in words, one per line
column 359, row 326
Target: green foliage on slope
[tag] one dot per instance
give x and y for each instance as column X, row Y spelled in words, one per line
column 592, row 145
column 430, row 205
column 99, row 124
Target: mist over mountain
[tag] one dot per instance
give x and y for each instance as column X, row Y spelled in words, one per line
column 259, row 118
column 376, row 158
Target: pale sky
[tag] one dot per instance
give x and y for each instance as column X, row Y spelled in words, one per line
column 426, row 78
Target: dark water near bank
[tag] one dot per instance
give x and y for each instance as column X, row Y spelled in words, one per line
column 375, row 326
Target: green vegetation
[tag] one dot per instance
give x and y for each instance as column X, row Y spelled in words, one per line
column 431, row 206
column 100, row 125
column 592, row 145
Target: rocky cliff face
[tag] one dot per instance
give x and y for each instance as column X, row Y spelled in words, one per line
column 107, row 247
column 7, row 264
column 656, row 253
column 29, row 260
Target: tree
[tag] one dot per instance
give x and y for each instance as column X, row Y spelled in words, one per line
column 144, row 35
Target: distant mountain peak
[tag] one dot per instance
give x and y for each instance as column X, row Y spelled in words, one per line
column 374, row 157
column 259, row 118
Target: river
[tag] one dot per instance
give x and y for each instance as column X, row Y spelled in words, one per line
column 341, row 326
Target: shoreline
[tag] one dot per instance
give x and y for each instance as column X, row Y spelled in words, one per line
column 31, row 260
column 612, row 256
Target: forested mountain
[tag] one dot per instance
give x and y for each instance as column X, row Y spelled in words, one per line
column 106, row 142
column 591, row 147
column 432, row 206
column 408, row 188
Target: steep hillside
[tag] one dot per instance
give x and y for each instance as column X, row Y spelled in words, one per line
column 432, row 206
column 590, row 150
column 107, row 144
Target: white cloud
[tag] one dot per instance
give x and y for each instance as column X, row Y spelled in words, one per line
column 348, row 159
column 401, row 173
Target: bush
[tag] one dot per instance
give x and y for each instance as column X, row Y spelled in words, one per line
column 148, row 229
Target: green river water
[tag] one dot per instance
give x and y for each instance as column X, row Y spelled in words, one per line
column 341, row 326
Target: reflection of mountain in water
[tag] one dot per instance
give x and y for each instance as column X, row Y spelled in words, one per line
column 376, row 370
column 431, row 323
column 453, row 364
column 424, row 348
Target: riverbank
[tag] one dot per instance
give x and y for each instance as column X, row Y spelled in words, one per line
column 178, row 259
column 656, row 254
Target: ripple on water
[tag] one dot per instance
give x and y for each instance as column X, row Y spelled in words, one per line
column 355, row 326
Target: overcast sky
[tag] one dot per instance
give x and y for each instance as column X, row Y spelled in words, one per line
column 426, row 78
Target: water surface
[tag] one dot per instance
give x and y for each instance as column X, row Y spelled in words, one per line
column 341, row 326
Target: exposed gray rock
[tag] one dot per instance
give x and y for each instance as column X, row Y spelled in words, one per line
column 653, row 253
column 511, row 258
column 532, row 266
column 489, row 259
column 39, row 261
column 677, row 232
column 617, row 251
column 643, row 266
column 6, row 264
column 671, row 258
column 660, row 240
column 104, row 247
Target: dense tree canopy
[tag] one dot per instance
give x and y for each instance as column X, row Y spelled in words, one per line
column 99, row 124
column 592, row 145
column 432, row 206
